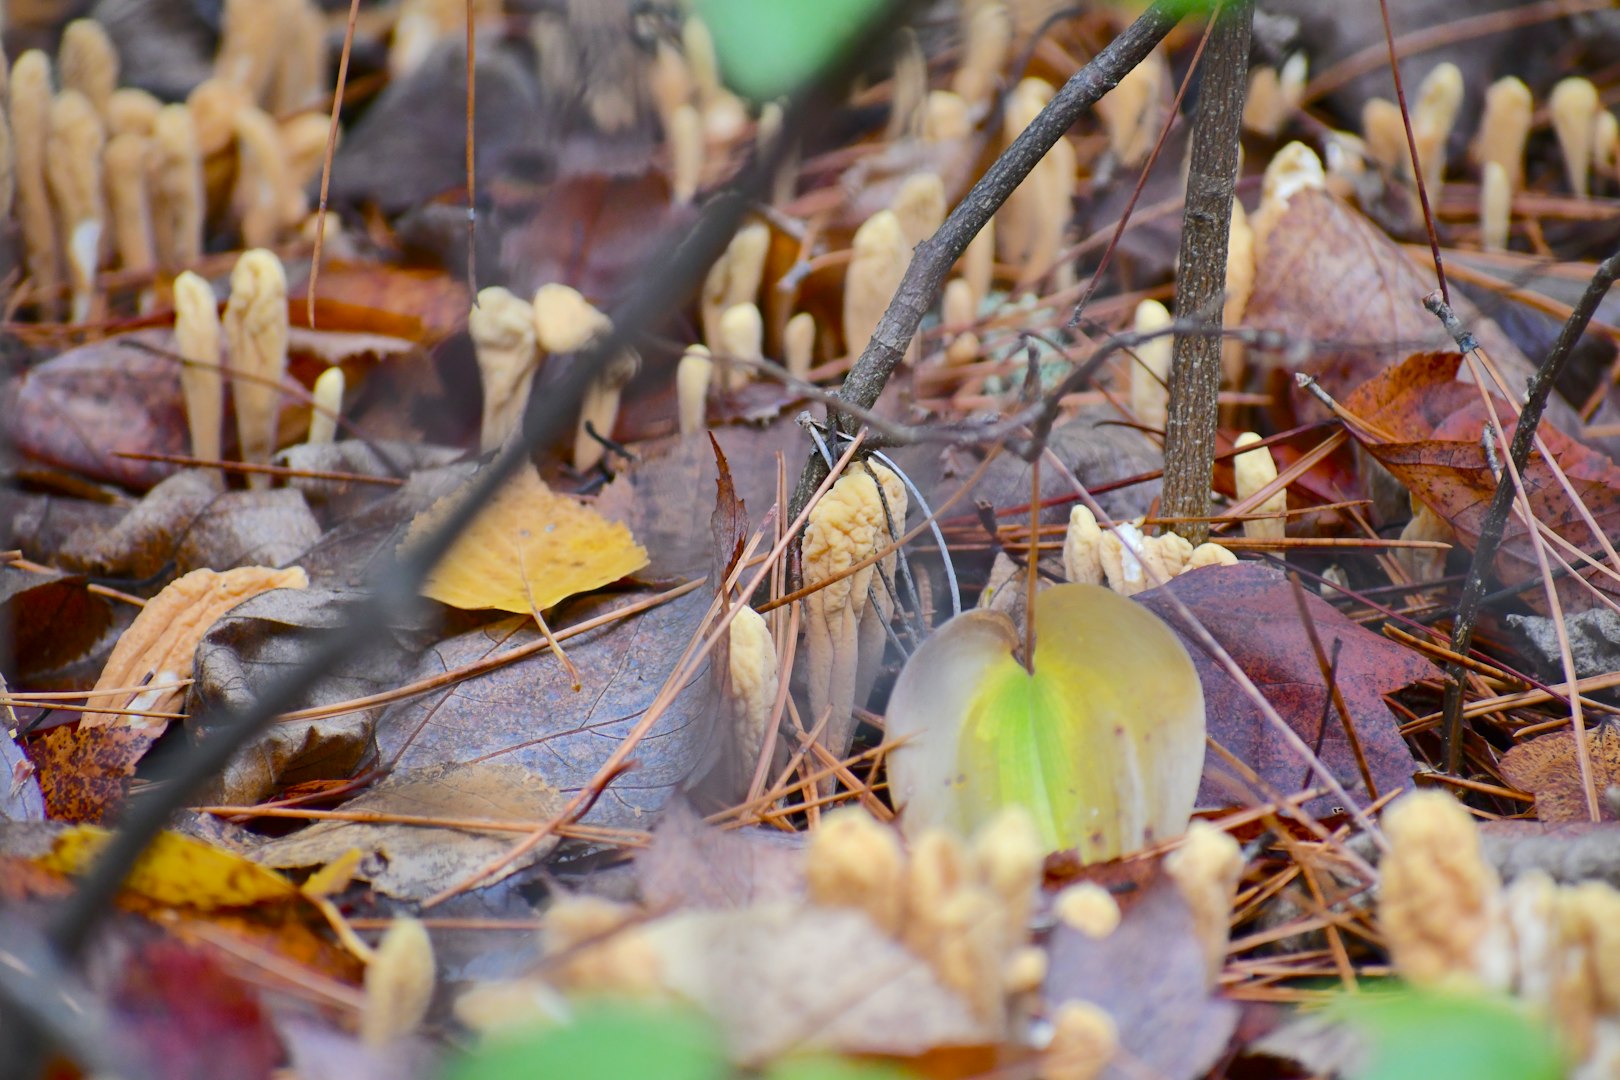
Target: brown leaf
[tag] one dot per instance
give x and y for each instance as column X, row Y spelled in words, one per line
column 1435, row 424
column 657, row 497
column 1549, row 768
column 77, row 410
column 780, row 978
column 592, row 232
column 728, row 525
column 1150, row 976
column 51, row 620
column 361, row 307
column 247, row 650
column 1250, row 610
column 1328, row 275
column 412, row 862
column 85, row 772
column 691, row 864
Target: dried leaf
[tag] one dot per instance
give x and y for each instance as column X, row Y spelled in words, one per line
column 1149, row 976
column 1250, row 610
column 691, row 864
column 155, row 651
column 528, row 713
column 412, row 862
column 249, row 649
column 177, row 870
column 526, row 550
column 51, row 620
column 1436, row 424
column 767, row 975
column 1549, row 768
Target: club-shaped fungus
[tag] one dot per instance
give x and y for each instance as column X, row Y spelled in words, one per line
column 741, row 345
column 853, row 861
column 129, row 203
column 178, row 207
column 878, row 262
column 843, row 529
column 1134, row 110
column 692, row 376
column 1150, row 374
column 29, row 102
column 959, row 311
column 909, row 86
column 920, row 206
column 1084, row 1040
column 327, row 400
column 256, row 334
column 501, row 326
column 399, row 984
column 263, row 187
column 1504, row 127
column 73, row 168
column 599, row 409
column 1206, row 868
column 202, row 385
column 799, row 345
column 1082, row 547
column 1495, row 207
column 1575, row 105
column 733, row 279
column 753, row 681
column 1439, row 98
column 88, row 62
column 986, row 37
column 683, row 134
column 1253, row 470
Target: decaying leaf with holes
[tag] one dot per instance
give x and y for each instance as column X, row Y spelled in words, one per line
column 526, row 550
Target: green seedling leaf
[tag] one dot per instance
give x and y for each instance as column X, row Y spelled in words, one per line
column 1103, row 743
column 1418, row 1034
column 767, row 49
column 608, row 1041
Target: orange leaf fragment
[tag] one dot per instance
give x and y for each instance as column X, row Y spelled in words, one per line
column 527, row 550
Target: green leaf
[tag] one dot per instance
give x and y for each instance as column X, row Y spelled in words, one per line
column 1103, row 744
column 768, row 48
column 1417, row 1035
column 606, row 1041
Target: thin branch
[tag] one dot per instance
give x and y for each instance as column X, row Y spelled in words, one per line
column 935, row 256
column 1490, row 532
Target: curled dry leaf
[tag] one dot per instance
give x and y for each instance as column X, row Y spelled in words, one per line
column 155, row 652
column 1436, row 422
column 526, row 550
column 84, row 771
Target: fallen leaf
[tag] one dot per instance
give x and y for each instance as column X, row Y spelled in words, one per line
column 1435, row 424
column 1250, row 610
column 412, row 862
column 250, row 648
column 527, row 549
column 78, row 410
column 143, row 542
column 84, row 773
column 1548, row 767
column 155, row 651
column 770, row 976
column 528, row 712
column 375, row 308
column 183, row 1014
column 176, row 870
column 351, row 551
column 1150, row 976
column 692, row 864
column 654, row 496
column 51, row 620
column 20, row 798
column 1328, row 275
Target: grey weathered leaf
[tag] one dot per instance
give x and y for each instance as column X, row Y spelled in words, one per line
column 528, row 712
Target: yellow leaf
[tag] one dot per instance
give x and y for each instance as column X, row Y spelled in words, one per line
column 176, row 870
column 528, row 549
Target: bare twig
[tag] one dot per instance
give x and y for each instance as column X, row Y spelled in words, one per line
column 936, row 255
